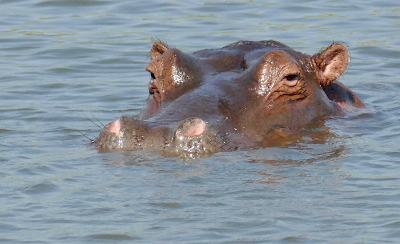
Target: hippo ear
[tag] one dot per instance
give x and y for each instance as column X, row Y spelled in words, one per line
column 157, row 49
column 190, row 127
column 331, row 63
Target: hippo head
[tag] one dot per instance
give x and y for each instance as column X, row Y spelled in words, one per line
column 233, row 97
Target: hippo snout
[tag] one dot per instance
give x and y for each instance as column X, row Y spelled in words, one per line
column 189, row 138
column 111, row 137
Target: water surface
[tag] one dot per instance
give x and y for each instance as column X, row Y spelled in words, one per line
column 62, row 61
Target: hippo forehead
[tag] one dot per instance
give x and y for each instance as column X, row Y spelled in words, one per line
column 174, row 68
column 253, row 45
column 242, row 54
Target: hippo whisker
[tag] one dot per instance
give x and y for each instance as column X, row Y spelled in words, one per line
column 100, row 127
column 96, row 139
column 90, row 139
column 97, row 120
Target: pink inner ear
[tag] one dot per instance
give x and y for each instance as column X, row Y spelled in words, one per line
column 331, row 68
column 196, row 129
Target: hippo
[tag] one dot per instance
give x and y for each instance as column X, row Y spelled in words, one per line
column 241, row 96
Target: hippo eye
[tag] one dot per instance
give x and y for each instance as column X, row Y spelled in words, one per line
column 153, row 77
column 155, row 92
column 291, row 80
column 153, row 89
column 152, row 86
column 292, row 77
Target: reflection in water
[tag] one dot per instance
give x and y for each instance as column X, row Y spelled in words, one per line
column 279, row 165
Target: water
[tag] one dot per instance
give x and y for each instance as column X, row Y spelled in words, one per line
column 62, row 61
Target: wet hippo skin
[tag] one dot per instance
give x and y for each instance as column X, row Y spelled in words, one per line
column 236, row 97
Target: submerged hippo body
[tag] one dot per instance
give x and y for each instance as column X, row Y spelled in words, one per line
column 238, row 96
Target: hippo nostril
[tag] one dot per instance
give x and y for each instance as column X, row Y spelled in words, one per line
column 115, row 127
column 190, row 127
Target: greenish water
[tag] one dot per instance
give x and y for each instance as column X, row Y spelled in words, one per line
column 62, row 61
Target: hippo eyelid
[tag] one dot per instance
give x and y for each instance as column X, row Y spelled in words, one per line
column 153, row 89
column 291, row 73
column 292, row 77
